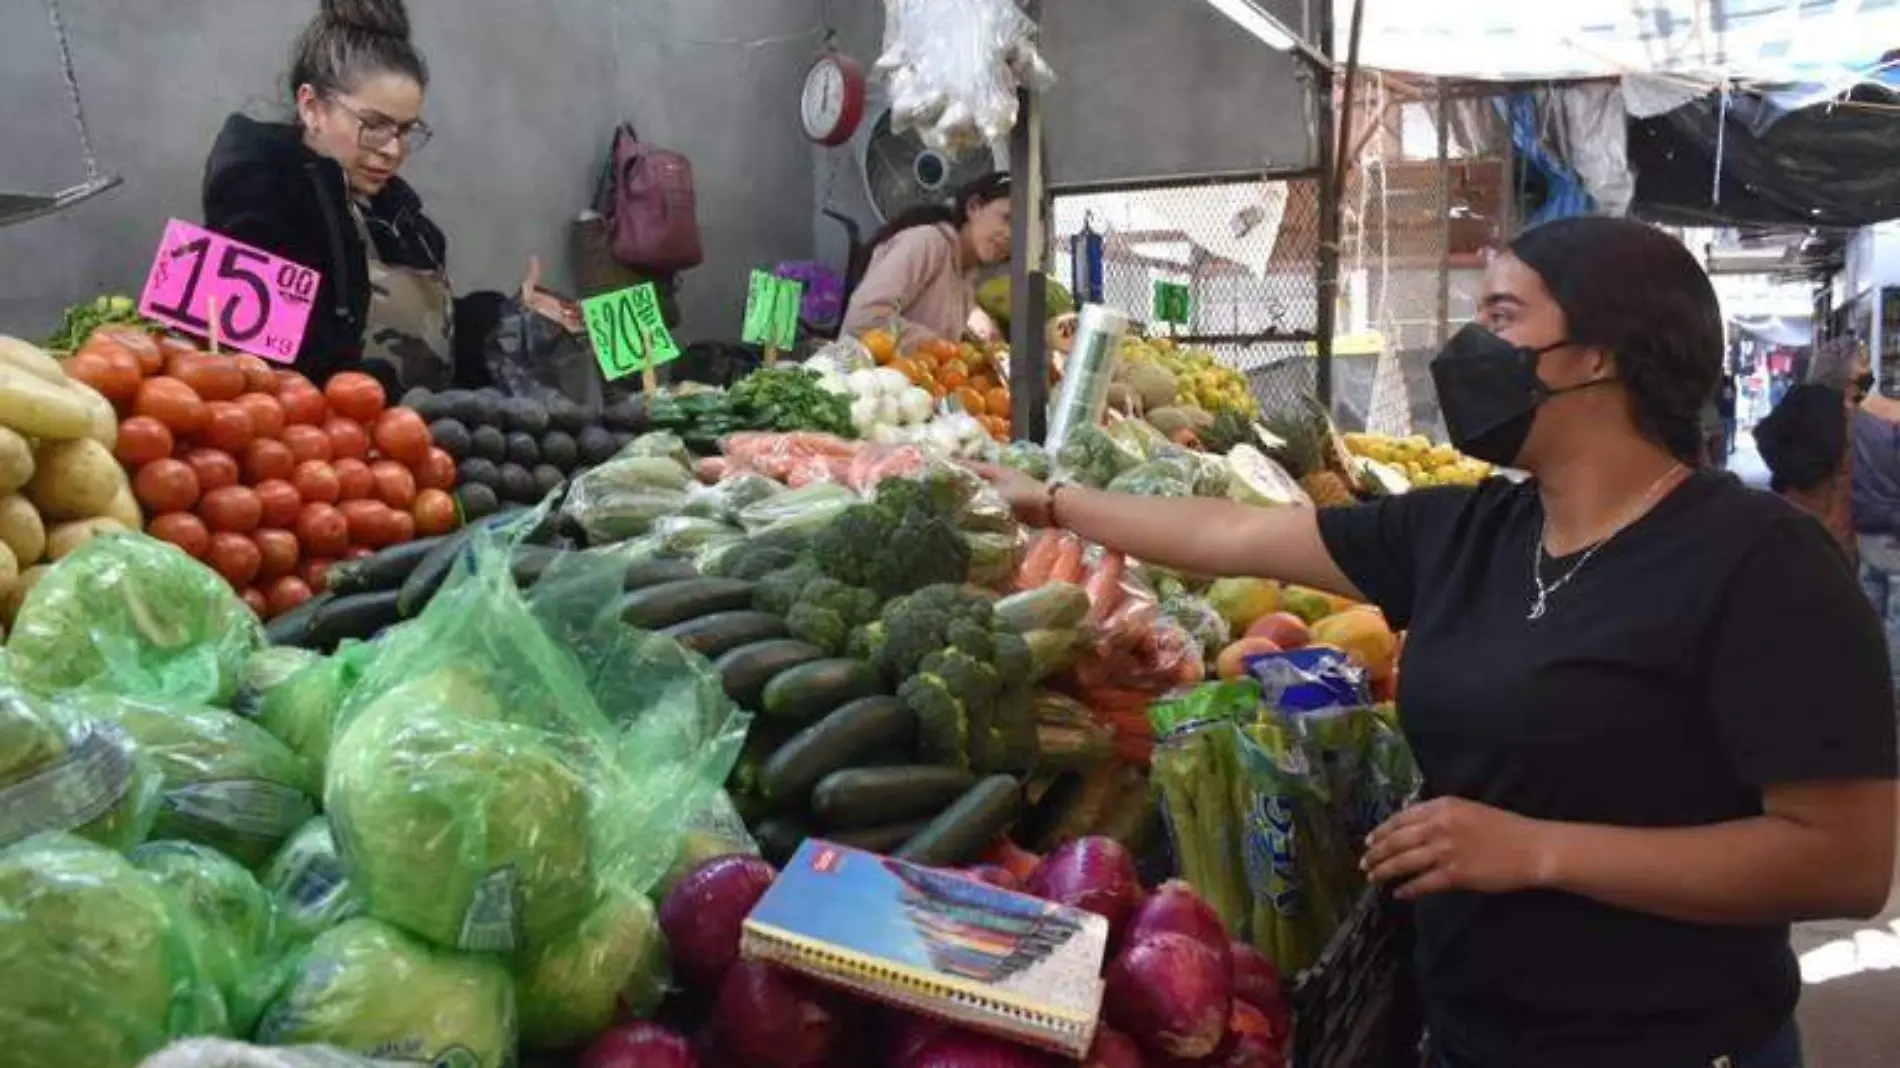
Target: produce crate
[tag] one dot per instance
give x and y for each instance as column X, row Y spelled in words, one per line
column 1355, row 1007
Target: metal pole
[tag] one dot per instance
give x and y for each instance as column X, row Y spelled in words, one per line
column 1028, row 295
column 1443, row 322
column 1331, row 189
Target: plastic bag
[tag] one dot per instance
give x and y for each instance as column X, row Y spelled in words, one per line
column 955, row 68
column 725, row 499
column 99, row 963
column 1070, row 736
column 1167, row 476
column 302, row 710
column 777, row 455
column 1194, row 767
column 134, row 615
column 1292, row 851
column 267, row 669
column 222, row 1053
column 1200, row 620
column 307, row 879
column 62, row 772
column 1026, row 456
column 661, row 445
column 805, row 509
column 572, row 989
column 531, row 355
column 235, row 923
column 1090, row 457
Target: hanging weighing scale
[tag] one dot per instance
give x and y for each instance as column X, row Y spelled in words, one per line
column 831, row 104
column 21, row 207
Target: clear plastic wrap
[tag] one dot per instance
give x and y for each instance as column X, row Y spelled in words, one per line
column 226, row 782
column 235, row 922
column 368, row 988
column 100, row 965
column 1026, row 456
column 301, row 711
column 780, row 455
column 573, row 988
column 223, row 1053
column 307, row 879
column 65, row 772
column 954, row 68
column 266, row 670
column 726, row 498
column 1195, row 769
column 805, row 509
column 624, row 497
column 134, row 615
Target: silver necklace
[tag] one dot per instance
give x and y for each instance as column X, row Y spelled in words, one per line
column 1540, row 605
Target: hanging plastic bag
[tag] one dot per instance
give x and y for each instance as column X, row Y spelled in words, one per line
column 954, row 68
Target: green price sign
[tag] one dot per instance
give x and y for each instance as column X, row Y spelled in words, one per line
column 629, row 331
column 1172, row 303
column 771, row 310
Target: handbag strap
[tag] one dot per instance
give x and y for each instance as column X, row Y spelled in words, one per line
column 609, row 171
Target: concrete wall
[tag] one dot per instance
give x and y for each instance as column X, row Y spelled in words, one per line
column 522, row 100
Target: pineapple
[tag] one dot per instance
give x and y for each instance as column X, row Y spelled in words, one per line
column 1313, row 453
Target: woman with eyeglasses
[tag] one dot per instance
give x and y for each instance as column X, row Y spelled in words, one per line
column 323, row 191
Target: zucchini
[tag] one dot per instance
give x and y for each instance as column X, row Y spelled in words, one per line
column 848, row 737
column 644, row 573
column 780, row 837
column 1056, row 606
column 866, row 797
column 358, row 616
column 962, row 832
column 745, row 672
column 659, row 607
column 880, row 839
column 720, row 633
column 805, row 693
column 429, row 574
column 385, row 570
column 530, row 562
column 293, row 627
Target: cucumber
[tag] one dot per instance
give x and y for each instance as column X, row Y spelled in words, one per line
column 645, row 573
column 962, row 832
column 720, row 633
column 530, row 562
column 780, row 837
column 1056, row 606
column 359, row 616
column 1037, row 828
column 865, row 797
column 805, row 693
column 293, row 627
column 880, row 839
column 662, row 606
column 429, row 574
column 745, row 672
column 385, row 570
column 850, row 736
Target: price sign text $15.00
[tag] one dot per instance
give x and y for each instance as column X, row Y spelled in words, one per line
column 262, row 302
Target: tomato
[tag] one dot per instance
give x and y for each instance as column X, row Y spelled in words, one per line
column 255, row 600
column 280, row 552
column 236, row 557
column 434, row 512
column 210, row 375
column 354, row 480
column 281, row 503
column 287, row 593
column 316, row 572
column 308, row 443
column 358, row 552
column 292, row 380
column 370, row 522
column 348, row 441
column 402, row 435
column 173, row 403
column 355, row 395
column 267, row 416
column 303, row 405
column 436, row 472
column 228, row 427
column 315, row 481
column 258, row 376
column 166, row 485
column 395, row 486
column 139, row 343
column 182, row 529
column 215, row 470
column 267, row 459
column 142, row 439
column 323, row 530
column 233, row 509
column 109, row 368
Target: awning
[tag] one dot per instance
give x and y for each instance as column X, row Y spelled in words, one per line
column 1775, row 330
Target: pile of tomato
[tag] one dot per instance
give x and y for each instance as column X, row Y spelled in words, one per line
column 259, row 473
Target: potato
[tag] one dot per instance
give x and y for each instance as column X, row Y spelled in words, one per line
column 105, row 421
column 124, row 507
column 30, row 358
column 39, row 409
column 74, row 479
column 14, row 597
column 22, row 530
column 16, row 461
column 64, row 538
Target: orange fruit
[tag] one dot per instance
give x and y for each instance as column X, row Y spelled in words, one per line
column 905, row 366
column 996, row 400
column 956, row 364
column 972, row 401
column 951, row 377
column 981, row 381
column 882, row 344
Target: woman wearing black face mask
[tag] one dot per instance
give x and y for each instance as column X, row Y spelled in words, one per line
column 1652, row 707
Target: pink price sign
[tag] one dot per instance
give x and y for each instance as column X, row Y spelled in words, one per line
column 262, row 301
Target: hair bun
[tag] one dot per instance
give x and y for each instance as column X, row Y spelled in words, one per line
column 387, row 18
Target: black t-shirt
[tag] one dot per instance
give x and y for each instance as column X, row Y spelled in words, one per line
column 1717, row 645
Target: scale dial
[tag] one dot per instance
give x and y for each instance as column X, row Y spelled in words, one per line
column 831, row 105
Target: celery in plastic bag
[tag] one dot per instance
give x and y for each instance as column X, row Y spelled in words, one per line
column 1290, row 848
column 1194, row 770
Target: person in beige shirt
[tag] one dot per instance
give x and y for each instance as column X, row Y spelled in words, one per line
column 920, row 279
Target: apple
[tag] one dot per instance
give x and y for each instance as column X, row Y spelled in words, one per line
column 1283, row 629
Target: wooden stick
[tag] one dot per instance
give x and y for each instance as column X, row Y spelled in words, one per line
column 213, row 300
column 771, row 355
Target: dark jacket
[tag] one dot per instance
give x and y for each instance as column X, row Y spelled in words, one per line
column 262, row 186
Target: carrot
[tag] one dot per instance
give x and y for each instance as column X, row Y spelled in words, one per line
column 713, row 469
column 1104, row 587
column 1038, row 560
column 1068, row 564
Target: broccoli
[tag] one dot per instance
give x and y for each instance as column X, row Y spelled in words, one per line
column 866, row 643
column 754, row 560
column 823, row 627
column 919, row 624
column 973, row 638
column 943, row 723
column 1013, row 657
column 780, row 590
column 1009, row 741
column 973, row 681
column 898, row 542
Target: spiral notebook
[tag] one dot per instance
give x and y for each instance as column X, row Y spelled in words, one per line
column 935, row 943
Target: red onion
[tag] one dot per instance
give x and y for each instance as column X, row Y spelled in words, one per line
column 995, row 876
column 766, row 1018
column 1112, row 1049
column 1171, row 994
column 1176, row 908
column 907, row 1033
column 1256, row 981
column 1253, row 1041
column 704, row 915
column 967, row 1049
column 1097, row 874
column 638, row 1045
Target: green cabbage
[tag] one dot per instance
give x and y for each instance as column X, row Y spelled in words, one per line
column 235, row 923
column 465, row 829
column 569, row 990
column 266, row 670
column 61, row 772
column 307, row 879
column 368, row 988
column 134, row 615
column 302, row 710
column 227, row 783
column 97, row 965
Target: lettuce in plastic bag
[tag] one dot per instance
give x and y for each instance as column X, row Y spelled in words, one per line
column 571, row 989
column 64, row 772
column 302, row 711
column 235, row 922
column 307, row 880
column 134, row 615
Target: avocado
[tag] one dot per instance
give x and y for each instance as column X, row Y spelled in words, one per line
column 516, row 484
column 456, row 404
column 560, row 449
column 485, row 409
column 476, row 500
column 479, row 471
column 526, row 415
column 522, row 449
column 597, row 446
column 489, row 443
column 417, row 397
column 547, row 479
column 622, row 440
column 626, row 415
column 451, row 437
column 566, row 416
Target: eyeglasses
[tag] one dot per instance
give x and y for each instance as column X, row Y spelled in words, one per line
column 375, row 133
